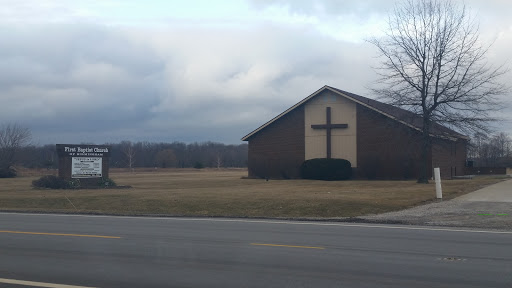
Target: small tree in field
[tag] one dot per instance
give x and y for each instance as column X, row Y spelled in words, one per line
column 434, row 65
column 12, row 138
column 129, row 152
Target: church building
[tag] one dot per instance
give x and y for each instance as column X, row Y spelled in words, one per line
column 381, row 141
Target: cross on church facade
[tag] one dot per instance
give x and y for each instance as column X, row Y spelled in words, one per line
column 328, row 126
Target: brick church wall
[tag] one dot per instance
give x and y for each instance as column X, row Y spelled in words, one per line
column 449, row 156
column 460, row 159
column 386, row 148
column 278, row 150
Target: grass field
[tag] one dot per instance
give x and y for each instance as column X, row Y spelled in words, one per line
column 223, row 193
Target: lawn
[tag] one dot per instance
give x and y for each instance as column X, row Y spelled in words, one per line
column 211, row 192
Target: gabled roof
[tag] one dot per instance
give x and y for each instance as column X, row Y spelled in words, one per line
column 398, row 114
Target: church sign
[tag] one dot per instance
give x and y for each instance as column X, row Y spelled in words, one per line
column 86, row 167
column 89, row 163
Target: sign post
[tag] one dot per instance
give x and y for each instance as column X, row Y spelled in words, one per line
column 437, row 176
column 88, row 163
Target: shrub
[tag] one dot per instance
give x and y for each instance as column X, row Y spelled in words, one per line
column 50, row 181
column 326, row 169
column 54, row 182
column 72, row 184
column 198, row 165
column 107, row 182
column 7, row 173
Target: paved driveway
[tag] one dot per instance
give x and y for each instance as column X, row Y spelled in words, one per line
column 490, row 208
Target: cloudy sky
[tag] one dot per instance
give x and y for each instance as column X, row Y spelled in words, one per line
column 112, row 70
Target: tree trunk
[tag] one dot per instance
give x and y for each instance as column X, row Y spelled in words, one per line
column 425, row 148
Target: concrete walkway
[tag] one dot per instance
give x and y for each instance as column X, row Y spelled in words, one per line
column 489, row 208
column 500, row 192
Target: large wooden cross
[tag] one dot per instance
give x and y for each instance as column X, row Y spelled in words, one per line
column 328, row 126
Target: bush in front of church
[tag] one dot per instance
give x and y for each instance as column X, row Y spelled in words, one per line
column 326, row 169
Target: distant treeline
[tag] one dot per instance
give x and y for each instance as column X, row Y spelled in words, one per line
column 493, row 150
column 147, row 154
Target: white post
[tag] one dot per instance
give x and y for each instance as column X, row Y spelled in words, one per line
column 437, row 176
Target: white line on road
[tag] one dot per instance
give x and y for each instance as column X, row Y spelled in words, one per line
column 291, row 222
column 38, row 284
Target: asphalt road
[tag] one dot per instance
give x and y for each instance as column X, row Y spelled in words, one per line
column 97, row 251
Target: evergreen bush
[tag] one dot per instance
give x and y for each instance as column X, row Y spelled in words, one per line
column 50, row 181
column 326, row 169
column 8, row 173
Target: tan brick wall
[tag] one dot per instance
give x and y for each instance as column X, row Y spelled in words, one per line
column 343, row 141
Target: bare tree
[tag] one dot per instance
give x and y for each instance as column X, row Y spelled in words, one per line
column 477, row 145
column 501, row 143
column 12, row 138
column 218, row 161
column 490, row 151
column 129, row 152
column 434, row 65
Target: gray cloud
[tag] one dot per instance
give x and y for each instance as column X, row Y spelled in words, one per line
column 327, row 7
column 76, row 78
column 109, row 84
column 86, row 82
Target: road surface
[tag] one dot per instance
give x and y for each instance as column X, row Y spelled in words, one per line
column 102, row 251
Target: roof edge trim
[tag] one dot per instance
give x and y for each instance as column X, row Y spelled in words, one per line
column 283, row 113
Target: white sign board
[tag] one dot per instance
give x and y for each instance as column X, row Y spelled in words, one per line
column 86, row 167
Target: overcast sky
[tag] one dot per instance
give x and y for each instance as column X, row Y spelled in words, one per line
column 107, row 71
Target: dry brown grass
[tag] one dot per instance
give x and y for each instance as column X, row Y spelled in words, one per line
column 223, row 193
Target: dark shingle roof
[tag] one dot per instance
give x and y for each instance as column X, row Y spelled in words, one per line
column 406, row 117
column 402, row 115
